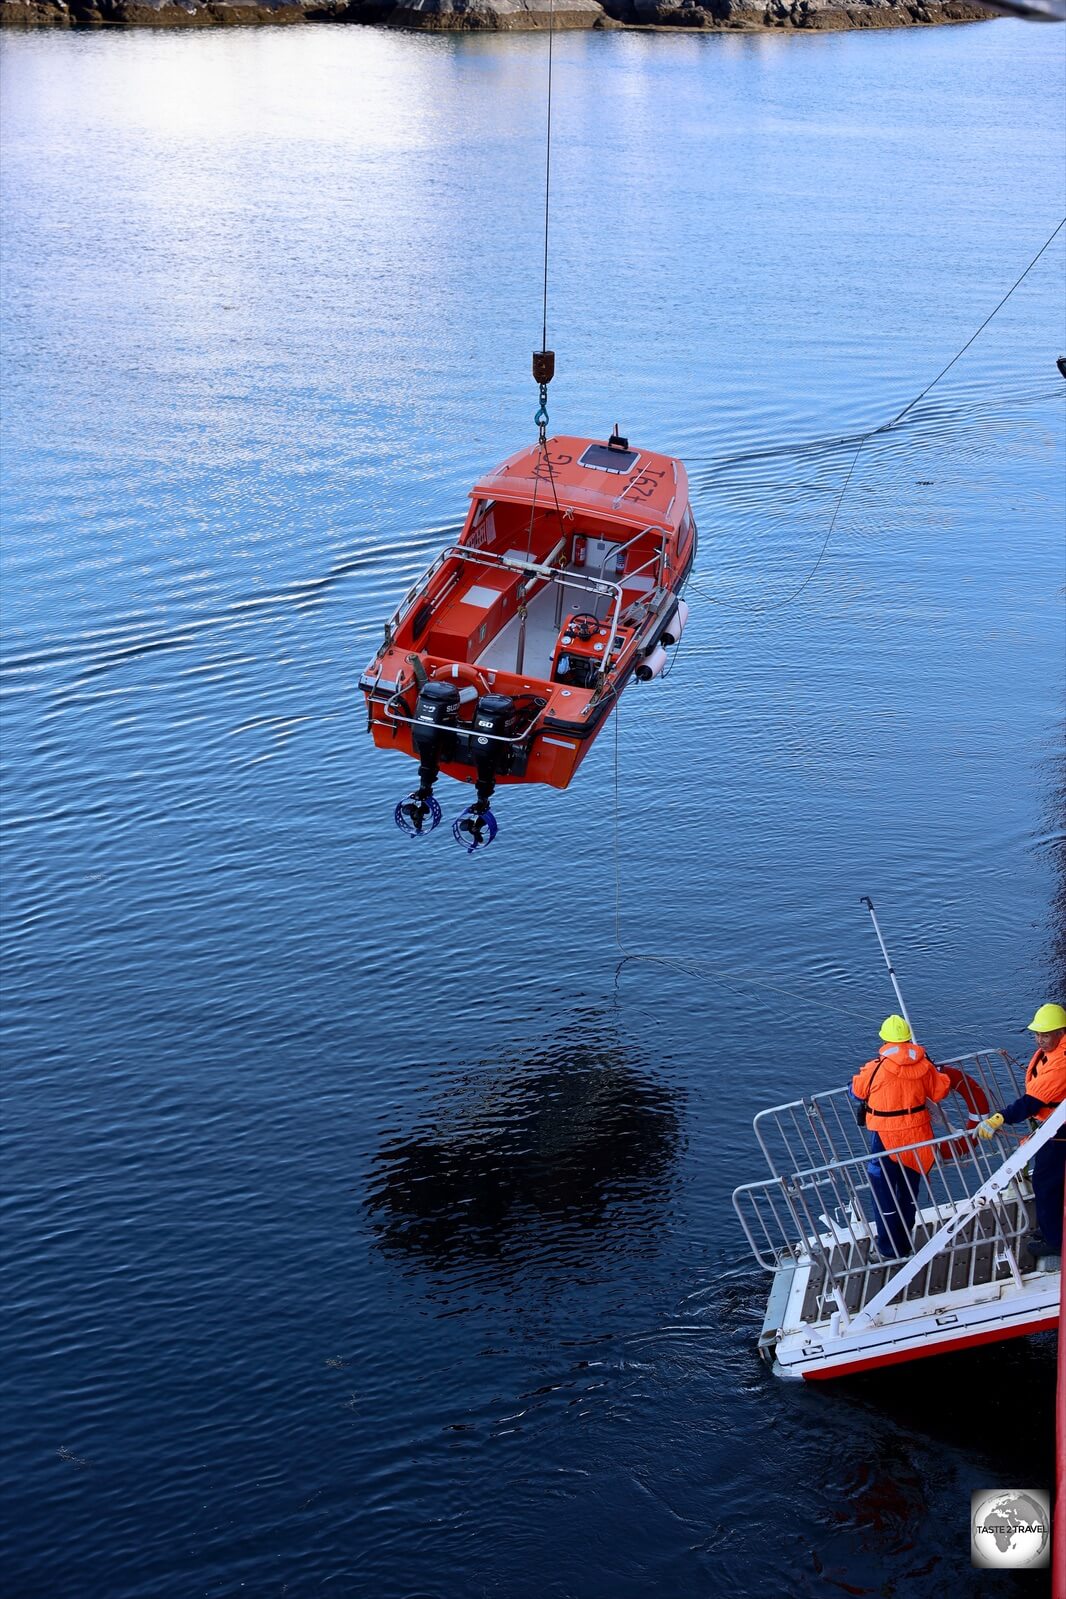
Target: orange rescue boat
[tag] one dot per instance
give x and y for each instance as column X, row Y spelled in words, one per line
column 504, row 661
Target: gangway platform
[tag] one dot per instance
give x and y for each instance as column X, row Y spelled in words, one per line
column 836, row 1307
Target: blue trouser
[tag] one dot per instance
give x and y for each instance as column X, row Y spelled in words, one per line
column 1049, row 1173
column 896, row 1192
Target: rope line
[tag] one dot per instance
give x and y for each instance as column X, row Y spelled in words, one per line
column 884, row 427
column 1046, row 245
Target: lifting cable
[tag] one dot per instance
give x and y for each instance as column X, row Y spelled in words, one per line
column 884, row 427
column 544, row 359
column 547, row 187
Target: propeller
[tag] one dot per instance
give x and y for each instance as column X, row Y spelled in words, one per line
column 475, row 828
column 418, row 814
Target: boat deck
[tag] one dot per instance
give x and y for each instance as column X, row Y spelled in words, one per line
column 857, row 1270
column 548, row 609
column 968, row 1275
column 544, row 617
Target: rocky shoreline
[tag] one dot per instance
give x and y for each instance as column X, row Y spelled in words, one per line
column 493, row 16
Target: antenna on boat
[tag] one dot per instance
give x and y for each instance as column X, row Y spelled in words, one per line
column 868, row 902
column 544, row 359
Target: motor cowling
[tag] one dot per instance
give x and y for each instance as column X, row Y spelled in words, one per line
column 495, row 717
column 436, row 715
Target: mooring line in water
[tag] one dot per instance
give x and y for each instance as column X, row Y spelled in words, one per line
column 918, row 397
column 884, row 427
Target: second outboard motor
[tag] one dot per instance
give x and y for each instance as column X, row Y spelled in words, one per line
column 433, row 736
column 494, row 719
column 495, row 716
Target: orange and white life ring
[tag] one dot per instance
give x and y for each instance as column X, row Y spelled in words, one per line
column 470, row 680
column 976, row 1101
column 460, row 672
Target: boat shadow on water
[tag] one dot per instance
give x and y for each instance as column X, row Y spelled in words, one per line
column 563, row 1157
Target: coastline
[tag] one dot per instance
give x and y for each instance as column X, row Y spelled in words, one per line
column 497, row 16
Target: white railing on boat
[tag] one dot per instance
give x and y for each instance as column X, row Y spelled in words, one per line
column 819, row 1209
column 565, row 577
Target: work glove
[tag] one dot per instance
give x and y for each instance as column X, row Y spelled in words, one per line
column 990, row 1126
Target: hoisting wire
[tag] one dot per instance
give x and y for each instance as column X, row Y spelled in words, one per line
column 544, row 359
column 884, row 427
column 547, row 183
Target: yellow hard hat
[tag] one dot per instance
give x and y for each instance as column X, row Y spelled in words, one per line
column 894, row 1030
column 1048, row 1019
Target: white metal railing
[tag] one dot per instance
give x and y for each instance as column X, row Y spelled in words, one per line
column 599, row 586
column 807, row 1213
column 543, row 569
column 810, row 1132
column 820, row 1208
column 467, row 728
column 990, row 1198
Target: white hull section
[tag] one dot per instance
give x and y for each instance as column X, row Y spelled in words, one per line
column 966, row 1273
column 917, row 1328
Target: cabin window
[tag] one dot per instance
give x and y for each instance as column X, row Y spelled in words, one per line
column 483, row 526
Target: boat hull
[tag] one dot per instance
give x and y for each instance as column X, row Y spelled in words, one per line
column 551, row 602
column 797, row 1359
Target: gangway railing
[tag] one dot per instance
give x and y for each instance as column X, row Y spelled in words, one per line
column 812, row 1132
column 971, row 1211
column 986, row 1199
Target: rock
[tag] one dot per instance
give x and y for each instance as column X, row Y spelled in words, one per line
column 493, row 16
column 34, row 14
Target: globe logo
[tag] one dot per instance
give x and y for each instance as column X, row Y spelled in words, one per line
column 1010, row 1528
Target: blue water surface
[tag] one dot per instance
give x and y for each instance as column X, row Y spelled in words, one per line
column 368, row 1226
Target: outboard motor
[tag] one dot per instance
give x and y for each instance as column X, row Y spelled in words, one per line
column 433, row 736
column 494, row 717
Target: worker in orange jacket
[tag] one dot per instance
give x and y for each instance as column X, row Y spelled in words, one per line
column 1045, row 1088
column 894, row 1088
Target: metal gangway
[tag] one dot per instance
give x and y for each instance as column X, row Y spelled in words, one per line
column 968, row 1276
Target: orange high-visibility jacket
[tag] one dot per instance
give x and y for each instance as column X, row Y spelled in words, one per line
column 1045, row 1078
column 895, row 1087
